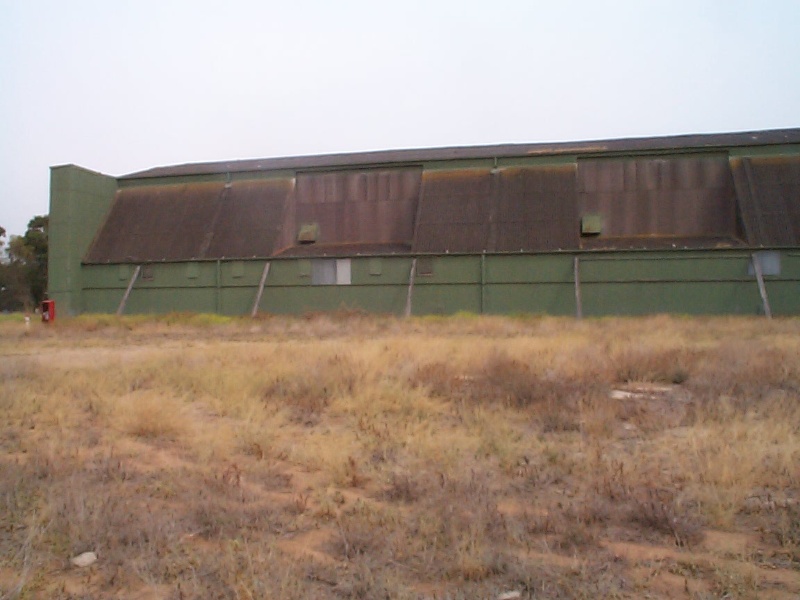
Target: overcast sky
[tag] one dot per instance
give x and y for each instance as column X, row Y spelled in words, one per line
column 120, row 86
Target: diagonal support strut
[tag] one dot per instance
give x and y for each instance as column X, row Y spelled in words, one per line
column 124, row 300
column 260, row 292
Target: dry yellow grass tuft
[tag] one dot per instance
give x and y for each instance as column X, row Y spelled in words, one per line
column 149, row 414
column 350, row 456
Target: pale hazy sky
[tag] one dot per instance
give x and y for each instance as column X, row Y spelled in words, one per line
column 120, row 86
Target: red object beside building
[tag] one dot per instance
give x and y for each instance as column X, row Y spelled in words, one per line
column 48, row 311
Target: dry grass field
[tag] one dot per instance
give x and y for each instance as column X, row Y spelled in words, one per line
column 352, row 456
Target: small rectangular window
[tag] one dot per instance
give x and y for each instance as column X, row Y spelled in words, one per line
column 147, row 273
column 343, row 271
column 768, row 260
column 124, row 272
column 192, row 270
column 237, row 268
column 323, row 272
column 329, row 271
column 304, row 268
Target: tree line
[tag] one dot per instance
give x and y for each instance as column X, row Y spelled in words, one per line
column 23, row 266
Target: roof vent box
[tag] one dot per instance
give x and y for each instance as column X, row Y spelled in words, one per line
column 591, row 224
column 308, row 233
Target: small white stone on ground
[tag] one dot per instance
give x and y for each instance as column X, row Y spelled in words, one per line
column 84, row 560
column 510, row 595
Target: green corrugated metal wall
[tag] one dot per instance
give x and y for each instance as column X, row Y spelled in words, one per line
column 625, row 282
column 79, row 201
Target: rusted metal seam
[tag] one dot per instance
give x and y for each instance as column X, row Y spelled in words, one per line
column 748, row 174
column 739, row 188
column 491, row 243
column 420, row 196
column 209, row 236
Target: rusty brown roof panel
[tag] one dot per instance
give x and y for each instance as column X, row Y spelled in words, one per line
column 690, row 198
column 191, row 221
column 768, row 191
column 251, row 219
column 415, row 156
column 359, row 206
column 777, row 185
column 156, row 223
column 454, row 211
column 745, row 199
column 502, row 210
column 536, row 210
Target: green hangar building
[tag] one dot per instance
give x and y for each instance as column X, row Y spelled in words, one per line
column 696, row 224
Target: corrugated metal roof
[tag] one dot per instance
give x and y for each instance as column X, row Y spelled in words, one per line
column 689, row 197
column 768, row 192
column 498, row 210
column 360, row 211
column 192, row 221
column 155, row 223
column 252, row 219
column 699, row 200
column 328, row 161
column 360, row 206
column 455, row 208
column 536, row 210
